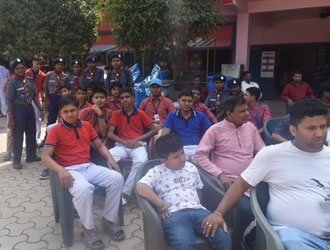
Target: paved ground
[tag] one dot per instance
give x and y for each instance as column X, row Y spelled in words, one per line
column 26, row 212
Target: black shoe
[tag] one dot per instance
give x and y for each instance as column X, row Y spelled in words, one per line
column 44, row 174
column 35, row 158
column 17, row 166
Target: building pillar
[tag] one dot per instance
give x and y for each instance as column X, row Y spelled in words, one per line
column 242, row 40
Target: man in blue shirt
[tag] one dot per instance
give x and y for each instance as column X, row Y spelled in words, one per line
column 188, row 124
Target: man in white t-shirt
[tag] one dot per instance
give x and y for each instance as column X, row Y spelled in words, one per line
column 298, row 175
column 247, row 83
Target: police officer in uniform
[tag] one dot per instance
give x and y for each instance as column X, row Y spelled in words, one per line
column 54, row 79
column 119, row 74
column 77, row 79
column 21, row 118
column 93, row 76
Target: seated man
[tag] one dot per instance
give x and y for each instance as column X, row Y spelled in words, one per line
column 181, row 217
column 126, row 129
column 70, row 142
column 113, row 102
column 235, row 87
column 219, row 93
column 188, row 124
column 297, row 173
column 198, row 106
column 282, row 133
column 259, row 112
column 228, row 148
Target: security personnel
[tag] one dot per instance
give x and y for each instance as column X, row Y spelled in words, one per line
column 119, row 74
column 21, row 118
column 54, row 79
column 77, row 79
column 92, row 74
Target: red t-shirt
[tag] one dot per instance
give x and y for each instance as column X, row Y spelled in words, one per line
column 130, row 127
column 71, row 145
column 86, row 104
column 89, row 115
column 296, row 92
column 38, row 79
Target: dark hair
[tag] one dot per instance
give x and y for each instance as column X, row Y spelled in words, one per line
column 83, row 88
column 186, row 92
column 245, row 73
column 325, row 86
column 167, row 144
column 199, row 76
column 231, row 102
column 115, row 84
column 99, row 90
column 65, row 86
column 254, row 91
column 196, row 87
column 67, row 100
column 307, row 107
column 36, row 58
column 296, row 72
column 126, row 90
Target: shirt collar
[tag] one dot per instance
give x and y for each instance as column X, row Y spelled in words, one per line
column 230, row 124
column 69, row 126
column 122, row 111
column 178, row 113
column 156, row 98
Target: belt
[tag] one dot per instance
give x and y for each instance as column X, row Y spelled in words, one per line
column 23, row 105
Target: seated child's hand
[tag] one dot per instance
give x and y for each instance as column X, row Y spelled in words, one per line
column 164, row 212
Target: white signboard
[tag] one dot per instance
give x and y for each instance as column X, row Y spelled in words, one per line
column 267, row 64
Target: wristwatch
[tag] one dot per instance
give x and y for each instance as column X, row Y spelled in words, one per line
column 101, row 116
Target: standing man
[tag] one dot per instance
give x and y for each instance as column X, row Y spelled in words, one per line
column 4, row 74
column 157, row 106
column 247, row 83
column 54, row 79
column 227, row 149
column 297, row 173
column 77, row 79
column 119, row 74
column 187, row 123
column 126, row 129
column 296, row 89
column 20, row 94
column 38, row 79
column 92, row 74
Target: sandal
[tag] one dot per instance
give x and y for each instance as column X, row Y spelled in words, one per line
column 115, row 232
column 92, row 241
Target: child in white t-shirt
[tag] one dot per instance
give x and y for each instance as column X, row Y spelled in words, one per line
column 174, row 188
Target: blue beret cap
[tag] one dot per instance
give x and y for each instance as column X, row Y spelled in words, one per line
column 16, row 62
column 234, row 82
column 91, row 58
column 58, row 60
column 220, row 77
column 76, row 61
column 116, row 55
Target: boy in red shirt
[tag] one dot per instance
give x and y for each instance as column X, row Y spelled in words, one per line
column 70, row 142
column 113, row 102
column 296, row 89
column 201, row 107
column 126, row 129
column 81, row 96
column 38, row 79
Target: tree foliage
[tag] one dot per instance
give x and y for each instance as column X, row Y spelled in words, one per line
column 57, row 27
column 160, row 24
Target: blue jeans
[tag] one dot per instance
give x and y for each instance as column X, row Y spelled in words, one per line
column 246, row 216
column 182, row 226
column 24, row 122
column 53, row 109
column 295, row 239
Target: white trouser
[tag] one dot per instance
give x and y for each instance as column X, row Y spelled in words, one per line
column 190, row 151
column 3, row 102
column 138, row 156
column 38, row 120
column 82, row 191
